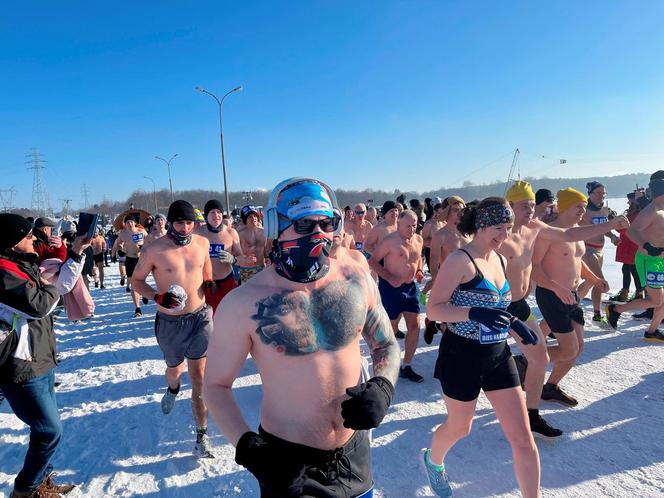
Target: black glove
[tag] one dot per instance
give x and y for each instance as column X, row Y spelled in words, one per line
column 168, row 300
column 493, row 318
column 368, row 404
column 275, row 470
column 527, row 335
column 653, row 250
column 209, row 289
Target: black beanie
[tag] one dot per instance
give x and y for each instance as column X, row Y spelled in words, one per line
column 181, row 211
column 590, row 186
column 387, row 206
column 13, row 228
column 212, row 204
column 543, row 195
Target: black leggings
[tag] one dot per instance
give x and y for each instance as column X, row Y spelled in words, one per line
column 629, row 272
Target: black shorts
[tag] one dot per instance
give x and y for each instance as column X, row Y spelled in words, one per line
column 130, row 265
column 465, row 367
column 519, row 309
column 98, row 258
column 558, row 315
column 344, row 471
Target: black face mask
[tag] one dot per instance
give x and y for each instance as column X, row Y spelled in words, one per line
column 594, row 207
column 214, row 230
column 178, row 238
column 304, row 259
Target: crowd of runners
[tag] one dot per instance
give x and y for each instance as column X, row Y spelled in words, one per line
column 299, row 284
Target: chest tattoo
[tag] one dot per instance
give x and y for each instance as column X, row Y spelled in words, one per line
column 328, row 319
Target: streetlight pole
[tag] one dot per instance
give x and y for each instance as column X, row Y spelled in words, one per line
column 168, row 163
column 154, row 194
column 220, row 102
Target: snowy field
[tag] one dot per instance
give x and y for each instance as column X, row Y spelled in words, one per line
column 118, row 443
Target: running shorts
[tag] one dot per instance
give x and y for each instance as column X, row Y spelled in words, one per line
column 183, row 336
column 98, row 258
column 519, row 309
column 247, row 272
column 224, row 286
column 130, row 265
column 558, row 315
column 345, row 471
column 397, row 300
column 650, row 269
column 465, row 367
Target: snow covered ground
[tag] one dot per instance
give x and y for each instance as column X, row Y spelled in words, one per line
column 118, row 443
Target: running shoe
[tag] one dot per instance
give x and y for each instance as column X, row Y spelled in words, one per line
column 655, row 336
column 168, row 401
column 553, row 393
column 102, row 286
column 122, row 281
column 127, row 289
column 644, row 315
column 399, row 335
column 612, row 315
column 408, row 373
column 429, row 331
column 541, row 428
column 622, row 296
column 438, row 480
column 96, row 285
column 597, row 317
column 203, row 448
column 138, row 313
column 521, row 367
column 144, row 300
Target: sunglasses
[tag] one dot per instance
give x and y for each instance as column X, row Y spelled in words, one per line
column 305, row 226
column 360, row 213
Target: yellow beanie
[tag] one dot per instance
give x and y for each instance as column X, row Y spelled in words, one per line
column 568, row 197
column 520, row 191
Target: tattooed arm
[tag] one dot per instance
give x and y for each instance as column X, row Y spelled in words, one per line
column 379, row 336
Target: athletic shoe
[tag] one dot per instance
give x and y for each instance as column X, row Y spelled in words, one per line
column 102, row 287
column 203, row 448
column 655, row 336
column 144, row 300
column 122, row 281
column 408, row 373
column 612, row 315
column 540, row 427
column 644, row 315
column 438, row 480
column 96, row 285
column 521, row 367
column 429, row 331
column 138, row 313
column 167, row 402
column 127, row 289
column 622, row 296
column 553, row 393
column 399, row 335
column 600, row 319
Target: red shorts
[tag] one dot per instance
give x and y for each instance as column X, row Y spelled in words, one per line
column 224, row 286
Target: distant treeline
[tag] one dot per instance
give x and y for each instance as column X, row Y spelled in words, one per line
column 617, row 186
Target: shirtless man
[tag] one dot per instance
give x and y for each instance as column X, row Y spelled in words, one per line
column 180, row 266
column 158, row 229
column 398, row 261
column 518, row 251
column 252, row 239
column 448, row 239
column 648, row 233
column 98, row 244
column 372, row 215
column 597, row 213
column 383, row 228
column 224, row 250
column 544, row 205
column 557, row 269
column 301, row 320
column 130, row 240
column 435, row 223
column 359, row 226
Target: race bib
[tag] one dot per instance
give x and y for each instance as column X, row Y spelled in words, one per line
column 137, row 238
column 655, row 278
column 597, row 220
column 359, row 245
column 215, row 250
column 488, row 336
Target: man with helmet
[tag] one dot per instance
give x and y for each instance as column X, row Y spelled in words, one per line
column 301, row 320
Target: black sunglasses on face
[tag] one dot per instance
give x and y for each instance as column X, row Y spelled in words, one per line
column 305, row 226
column 360, row 213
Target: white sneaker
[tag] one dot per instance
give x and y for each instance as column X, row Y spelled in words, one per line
column 203, row 448
column 167, row 402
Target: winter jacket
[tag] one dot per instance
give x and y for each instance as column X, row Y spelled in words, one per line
column 22, row 293
column 45, row 251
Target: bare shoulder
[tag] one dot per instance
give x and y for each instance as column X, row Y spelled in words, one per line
column 352, row 258
column 200, row 241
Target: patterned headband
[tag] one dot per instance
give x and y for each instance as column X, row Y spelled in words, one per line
column 495, row 214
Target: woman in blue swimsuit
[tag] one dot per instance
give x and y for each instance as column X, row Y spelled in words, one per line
column 474, row 355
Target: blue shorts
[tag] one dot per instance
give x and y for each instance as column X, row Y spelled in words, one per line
column 397, row 300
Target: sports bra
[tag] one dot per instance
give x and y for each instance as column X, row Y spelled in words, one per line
column 480, row 292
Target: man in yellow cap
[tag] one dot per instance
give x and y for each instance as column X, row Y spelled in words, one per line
column 518, row 251
column 558, row 269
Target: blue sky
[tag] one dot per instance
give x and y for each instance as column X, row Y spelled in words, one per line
column 410, row 95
